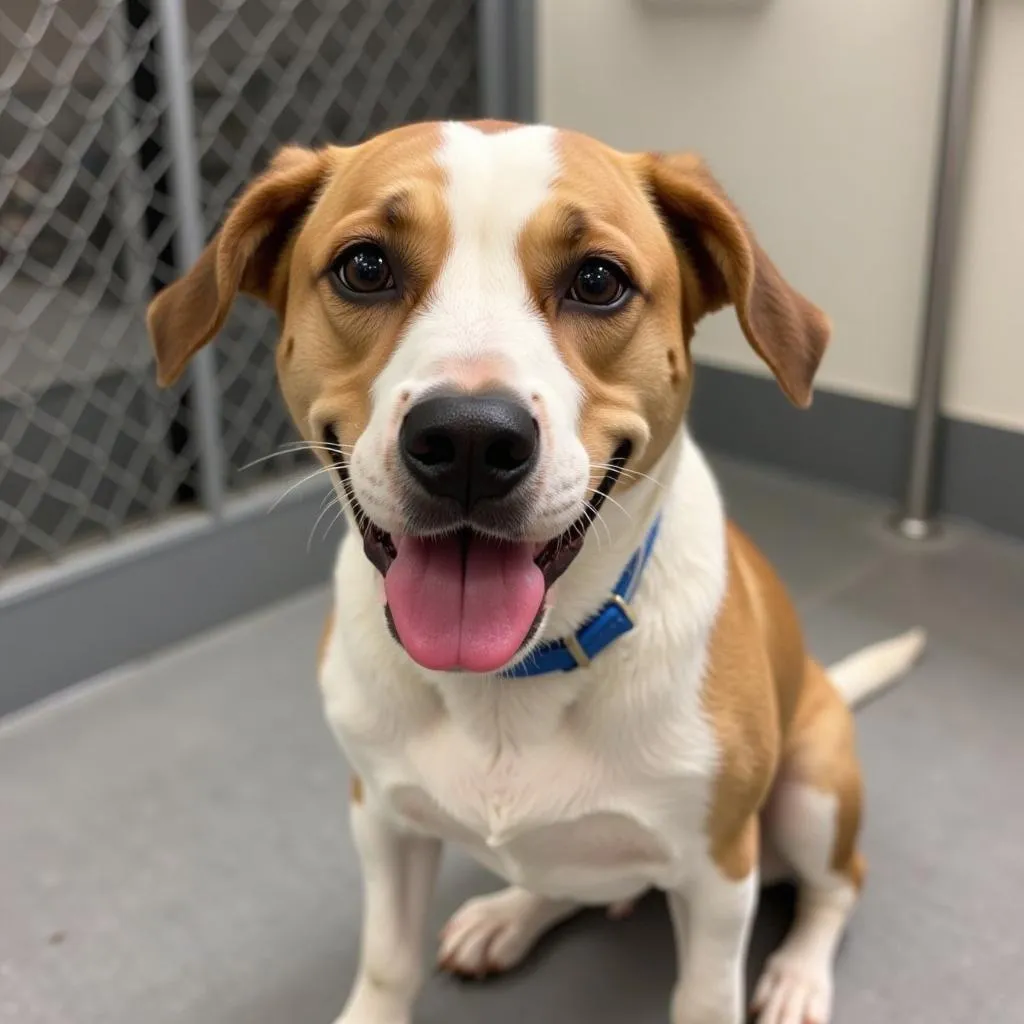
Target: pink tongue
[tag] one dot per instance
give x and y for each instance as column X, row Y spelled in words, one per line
column 453, row 612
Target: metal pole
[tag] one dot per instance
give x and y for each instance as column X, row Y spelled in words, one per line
column 523, row 69
column 189, row 237
column 128, row 187
column 131, row 208
column 916, row 519
column 493, row 58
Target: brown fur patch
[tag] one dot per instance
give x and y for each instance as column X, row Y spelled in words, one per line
column 737, row 858
column 343, row 347
column 741, row 700
column 674, row 373
column 777, row 623
column 356, row 792
column 617, row 358
column 775, row 714
column 820, row 750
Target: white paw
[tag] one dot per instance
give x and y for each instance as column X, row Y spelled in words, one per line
column 491, row 934
column 794, row 990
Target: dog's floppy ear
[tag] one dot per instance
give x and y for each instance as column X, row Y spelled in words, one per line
column 728, row 266
column 244, row 256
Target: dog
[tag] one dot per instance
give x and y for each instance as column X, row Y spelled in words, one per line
column 548, row 644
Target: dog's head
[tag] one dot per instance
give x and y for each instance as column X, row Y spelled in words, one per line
column 485, row 328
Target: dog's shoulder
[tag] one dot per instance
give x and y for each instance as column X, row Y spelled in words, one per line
column 769, row 619
column 755, row 666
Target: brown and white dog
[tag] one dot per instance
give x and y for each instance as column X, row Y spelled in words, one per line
column 485, row 335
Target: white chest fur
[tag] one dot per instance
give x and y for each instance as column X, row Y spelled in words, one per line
column 591, row 785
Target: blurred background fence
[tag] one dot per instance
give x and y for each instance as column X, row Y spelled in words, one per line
column 126, row 128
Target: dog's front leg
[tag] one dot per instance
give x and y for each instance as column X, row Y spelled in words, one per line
column 712, row 917
column 399, row 870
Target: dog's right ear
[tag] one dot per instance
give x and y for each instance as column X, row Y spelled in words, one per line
column 785, row 329
column 248, row 254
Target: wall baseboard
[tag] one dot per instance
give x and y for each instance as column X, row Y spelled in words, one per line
column 153, row 587
column 860, row 444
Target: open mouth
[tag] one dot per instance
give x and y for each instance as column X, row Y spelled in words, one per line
column 465, row 600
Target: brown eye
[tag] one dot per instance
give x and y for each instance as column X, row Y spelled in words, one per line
column 599, row 282
column 364, row 270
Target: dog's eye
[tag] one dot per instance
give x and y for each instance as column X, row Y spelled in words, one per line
column 599, row 282
column 363, row 269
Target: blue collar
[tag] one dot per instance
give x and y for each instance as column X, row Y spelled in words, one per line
column 602, row 630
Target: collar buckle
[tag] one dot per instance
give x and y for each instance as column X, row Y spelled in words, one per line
column 625, row 607
column 575, row 648
column 574, row 642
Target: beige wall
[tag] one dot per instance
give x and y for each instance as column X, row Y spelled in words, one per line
column 986, row 372
column 821, row 120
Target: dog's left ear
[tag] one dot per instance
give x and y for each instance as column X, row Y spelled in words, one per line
column 726, row 265
column 246, row 255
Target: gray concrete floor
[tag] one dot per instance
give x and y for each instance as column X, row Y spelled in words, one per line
column 173, row 841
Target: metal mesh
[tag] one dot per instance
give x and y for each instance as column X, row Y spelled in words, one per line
column 88, row 445
column 270, row 72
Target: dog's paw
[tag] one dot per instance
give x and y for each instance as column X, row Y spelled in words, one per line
column 794, row 990
column 491, row 934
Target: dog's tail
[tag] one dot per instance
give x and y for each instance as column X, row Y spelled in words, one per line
column 862, row 675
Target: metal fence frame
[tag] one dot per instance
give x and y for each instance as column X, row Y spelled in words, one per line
column 124, row 598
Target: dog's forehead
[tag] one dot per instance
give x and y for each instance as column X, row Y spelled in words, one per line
column 498, row 175
column 491, row 176
column 496, row 180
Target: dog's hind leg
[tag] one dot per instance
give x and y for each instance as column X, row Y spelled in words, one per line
column 813, row 818
column 490, row 934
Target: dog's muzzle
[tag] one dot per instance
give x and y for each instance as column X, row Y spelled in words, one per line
column 464, row 590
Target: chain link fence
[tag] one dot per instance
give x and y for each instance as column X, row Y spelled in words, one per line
column 88, row 218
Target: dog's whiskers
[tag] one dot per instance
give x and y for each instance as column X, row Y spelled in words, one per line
column 635, row 474
column 596, row 513
column 327, row 497
column 298, row 483
column 325, row 507
column 619, row 505
column 294, row 448
column 330, row 526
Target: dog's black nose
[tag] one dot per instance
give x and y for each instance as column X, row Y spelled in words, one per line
column 469, row 448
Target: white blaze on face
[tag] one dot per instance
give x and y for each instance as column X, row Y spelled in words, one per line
column 480, row 324
column 481, row 309
column 479, row 327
